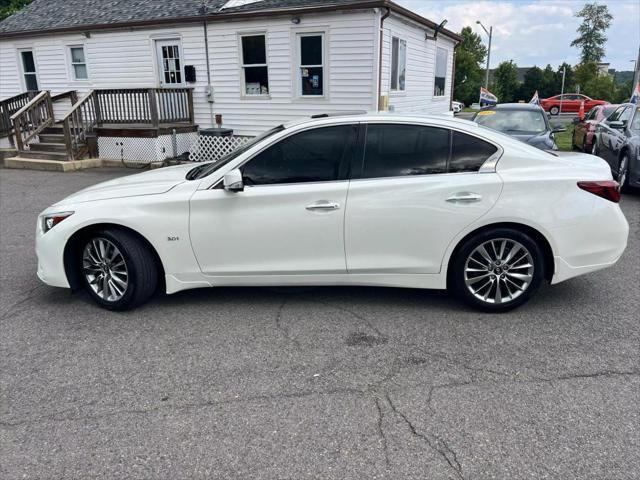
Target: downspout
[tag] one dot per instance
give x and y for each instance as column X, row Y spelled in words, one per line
column 453, row 77
column 382, row 19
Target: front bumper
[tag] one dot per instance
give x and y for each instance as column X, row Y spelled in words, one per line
column 50, row 253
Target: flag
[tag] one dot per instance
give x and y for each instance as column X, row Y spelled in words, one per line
column 535, row 100
column 487, row 98
column 635, row 98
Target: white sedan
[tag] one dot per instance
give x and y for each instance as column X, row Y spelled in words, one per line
column 386, row 200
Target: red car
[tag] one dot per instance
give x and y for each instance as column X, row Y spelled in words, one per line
column 570, row 103
column 584, row 132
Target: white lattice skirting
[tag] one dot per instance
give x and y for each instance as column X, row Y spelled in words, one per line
column 207, row 149
column 145, row 150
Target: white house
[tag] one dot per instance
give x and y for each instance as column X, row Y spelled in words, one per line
column 258, row 63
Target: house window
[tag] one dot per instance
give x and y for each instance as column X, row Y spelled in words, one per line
column 441, row 72
column 78, row 63
column 254, row 65
column 311, row 61
column 398, row 64
column 29, row 70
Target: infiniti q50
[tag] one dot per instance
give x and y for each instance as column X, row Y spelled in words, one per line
column 380, row 200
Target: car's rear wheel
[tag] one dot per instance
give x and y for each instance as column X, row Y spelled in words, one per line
column 497, row 270
column 118, row 270
column 554, row 110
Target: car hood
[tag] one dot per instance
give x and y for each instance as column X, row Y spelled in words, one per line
column 540, row 140
column 148, row 183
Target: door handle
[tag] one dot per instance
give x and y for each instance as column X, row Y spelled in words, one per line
column 323, row 205
column 464, row 197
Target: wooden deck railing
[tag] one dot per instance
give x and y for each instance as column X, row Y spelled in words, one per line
column 31, row 119
column 151, row 106
column 10, row 106
column 79, row 122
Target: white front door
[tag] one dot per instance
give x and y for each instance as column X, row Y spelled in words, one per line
column 418, row 188
column 170, row 67
column 289, row 220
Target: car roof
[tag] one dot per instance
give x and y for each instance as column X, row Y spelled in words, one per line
column 514, row 106
column 319, row 119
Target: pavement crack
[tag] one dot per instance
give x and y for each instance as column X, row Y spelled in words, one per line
column 434, row 442
column 284, row 330
column 381, row 434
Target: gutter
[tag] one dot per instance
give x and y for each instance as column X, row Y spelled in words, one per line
column 249, row 14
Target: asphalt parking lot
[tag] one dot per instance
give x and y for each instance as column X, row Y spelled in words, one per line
column 345, row 383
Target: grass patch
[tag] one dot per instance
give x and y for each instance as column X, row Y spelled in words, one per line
column 563, row 140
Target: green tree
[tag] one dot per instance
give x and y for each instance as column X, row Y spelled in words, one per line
column 569, row 80
column 549, row 86
column 601, row 87
column 470, row 55
column 596, row 19
column 9, row 7
column 532, row 82
column 584, row 73
column 505, row 82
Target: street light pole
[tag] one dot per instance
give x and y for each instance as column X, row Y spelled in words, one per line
column 490, row 34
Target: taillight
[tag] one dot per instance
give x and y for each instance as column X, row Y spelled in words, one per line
column 607, row 189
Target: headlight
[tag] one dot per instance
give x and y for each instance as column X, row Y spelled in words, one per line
column 51, row 220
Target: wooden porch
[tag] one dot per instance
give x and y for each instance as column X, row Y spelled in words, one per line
column 141, row 112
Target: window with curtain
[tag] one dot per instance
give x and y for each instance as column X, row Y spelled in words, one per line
column 441, row 72
column 398, row 64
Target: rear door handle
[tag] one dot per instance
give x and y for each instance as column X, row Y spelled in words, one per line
column 464, row 197
column 323, row 205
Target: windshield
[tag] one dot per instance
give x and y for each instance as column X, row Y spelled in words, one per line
column 208, row 168
column 513, row 121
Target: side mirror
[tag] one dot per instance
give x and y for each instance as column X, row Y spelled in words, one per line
column 559, row 129
column 232, row 181
column 617, row 124
column 576, row 120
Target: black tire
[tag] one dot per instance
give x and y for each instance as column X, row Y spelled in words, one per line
column 140, row 265
column 457, row 281
column 554, row 110
column 623, row 173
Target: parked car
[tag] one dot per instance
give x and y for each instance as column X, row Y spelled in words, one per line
column 570, row 103
column 526, row 122
column 584, row 131
column 457, row 106
column 386, row 200
column 618, row 143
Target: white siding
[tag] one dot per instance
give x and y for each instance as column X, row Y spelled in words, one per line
column 420, row 74
column 127, row 59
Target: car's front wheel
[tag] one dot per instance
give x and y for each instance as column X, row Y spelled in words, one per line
column 118, row 270
column 554, row 110
column 497, row 270
column 623, row 173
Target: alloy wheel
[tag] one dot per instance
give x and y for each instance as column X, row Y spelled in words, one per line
column 105, row 269
column 622, row 172
column 498, row 271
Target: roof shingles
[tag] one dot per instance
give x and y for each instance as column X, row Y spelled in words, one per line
column 44, row 15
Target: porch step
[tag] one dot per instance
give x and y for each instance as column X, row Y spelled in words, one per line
column 51, row 165
column 43, row 155
column 52, row 138
column 48, row 147
column 55, row 129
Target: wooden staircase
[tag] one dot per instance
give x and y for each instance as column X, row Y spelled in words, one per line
column 50, row 146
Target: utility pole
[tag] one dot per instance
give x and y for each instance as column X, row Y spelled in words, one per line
column 564, row 71
column 490, row 34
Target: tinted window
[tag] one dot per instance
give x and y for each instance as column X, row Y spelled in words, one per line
column 616, row 114
column 398, row 150
column 311, row 156
column 469, row 153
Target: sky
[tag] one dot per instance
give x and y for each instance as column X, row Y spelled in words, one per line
column 537, row 32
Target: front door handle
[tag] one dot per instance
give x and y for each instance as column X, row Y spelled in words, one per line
column 323, row 205
column 464, row 197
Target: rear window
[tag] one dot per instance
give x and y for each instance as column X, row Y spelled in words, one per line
column 469, row 153
column 526, row 122
column 402, row 150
